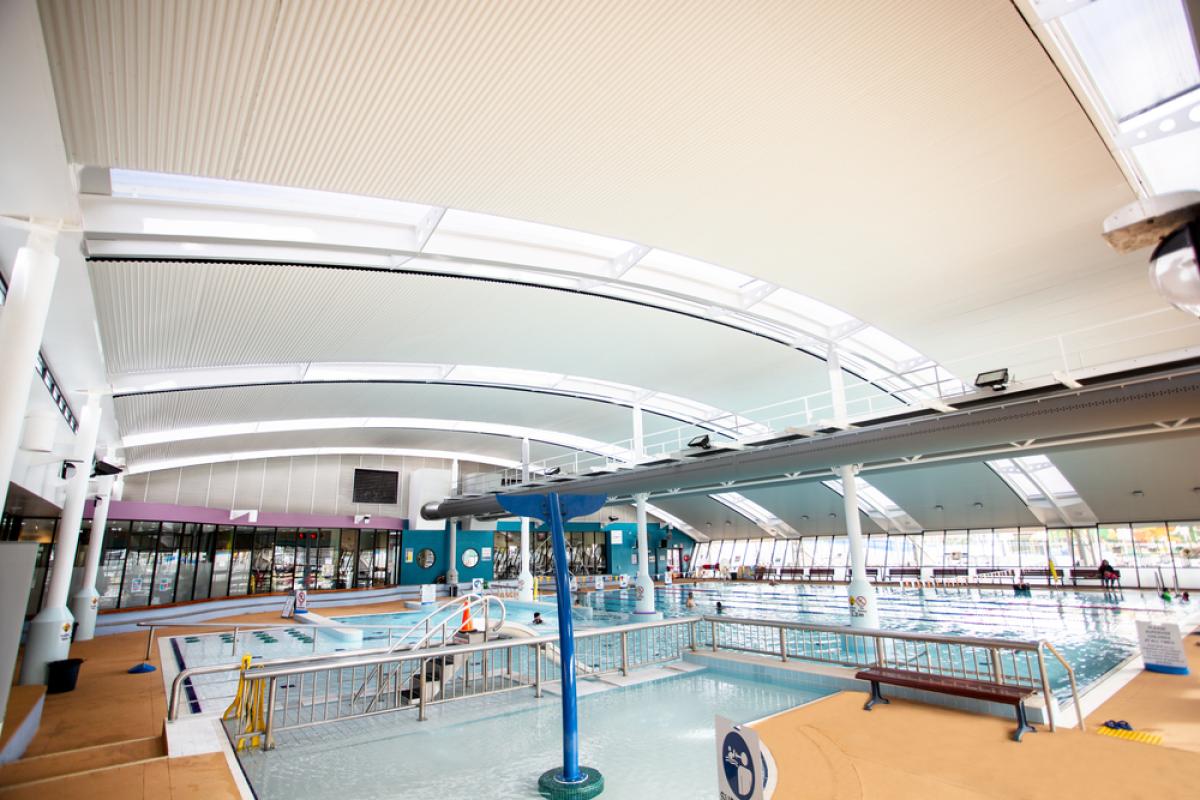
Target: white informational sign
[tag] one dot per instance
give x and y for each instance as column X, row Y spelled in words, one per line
column 741, row 771
column 289, row 606
column 301, row 601
column 487, row 554
column 1162, row 647
column 617, row 537
column 428, row 594
column 476, row 585
column 599, row 583
column 667, row 578
column 623, row 581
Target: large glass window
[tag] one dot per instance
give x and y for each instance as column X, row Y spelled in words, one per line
column 979, row 549
column 1005, row 548
column 1060, row 547
column 283, row 576
column 738, row 558
column 186, row 578
column 139, row 565
column 112, row 564
column 1153, row 547
column 933, row 547
column 347, row 553
column 1185, row 543
column 877, row 549
column 262, row 562
column 243, row 552
column 205, row 542
column 956, row 549
column 1116, row 544
column 752, row 548
column 167, row 566
column 1085, row 547
column 1031, row 547
column 838, row 548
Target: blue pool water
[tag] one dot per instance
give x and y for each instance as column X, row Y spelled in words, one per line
column 650, row 740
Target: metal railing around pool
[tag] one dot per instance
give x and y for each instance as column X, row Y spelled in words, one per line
column 319, row 689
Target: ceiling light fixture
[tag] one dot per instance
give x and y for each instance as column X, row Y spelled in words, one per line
column 703, row 441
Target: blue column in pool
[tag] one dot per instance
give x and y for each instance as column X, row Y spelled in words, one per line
column 572, row 781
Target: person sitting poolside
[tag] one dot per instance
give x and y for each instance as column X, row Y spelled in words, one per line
column 1108, row 575
column 691, row 600
column 537, row 618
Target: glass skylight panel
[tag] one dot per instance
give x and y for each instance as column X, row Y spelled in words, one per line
column 239, row 194
column 785, row 303
column 1139, row 53
column 1047, row 475
column 466, row 234
column 1017, row 479
column 503, row 376
column 673, row 521
column 1172, row 163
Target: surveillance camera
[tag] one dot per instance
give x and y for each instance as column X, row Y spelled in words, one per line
column 1174, row 270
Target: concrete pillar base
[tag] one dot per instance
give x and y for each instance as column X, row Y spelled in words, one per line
column 49, row 640
column 525, row 587
column 84, row 607
column 644, row 589
column 864, row 611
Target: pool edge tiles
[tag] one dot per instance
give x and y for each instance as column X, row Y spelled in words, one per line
column 841, row 679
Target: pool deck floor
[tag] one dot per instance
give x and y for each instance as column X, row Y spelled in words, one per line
column 104, row 740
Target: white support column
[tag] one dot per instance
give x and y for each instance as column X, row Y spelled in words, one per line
column 863, row 610
column 639, row 439
column 50, row 631
column 21, row 328
column 525, row 577
column 452, row 530
column 643, row 585
column 837, row 387
column 86, row 603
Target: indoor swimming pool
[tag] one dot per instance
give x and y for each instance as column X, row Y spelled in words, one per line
column 651, row 739
column 1094, row 631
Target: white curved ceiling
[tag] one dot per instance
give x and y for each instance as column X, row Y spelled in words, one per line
column 922, row 166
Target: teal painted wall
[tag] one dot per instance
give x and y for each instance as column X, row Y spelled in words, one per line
column 620, row 556
column 413, row 542
column 477, row 541
column 437, row 541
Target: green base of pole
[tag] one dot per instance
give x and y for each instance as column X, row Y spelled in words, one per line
column 550, row 785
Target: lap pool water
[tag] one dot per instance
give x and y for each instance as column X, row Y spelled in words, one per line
column 654, row 739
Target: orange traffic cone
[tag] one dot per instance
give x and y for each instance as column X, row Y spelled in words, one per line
column 467, row 624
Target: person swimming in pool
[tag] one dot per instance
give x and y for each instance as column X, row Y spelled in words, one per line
column 720, row 608
column 537, row 618
column 691, row 600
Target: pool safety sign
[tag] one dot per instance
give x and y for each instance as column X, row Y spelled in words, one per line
column 741, row 771
column 1162, row 647
column 476, row 585
column 598, row 583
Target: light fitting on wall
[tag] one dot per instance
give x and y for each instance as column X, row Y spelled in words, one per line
column 552, row 471
column 994, row 379
column 1138, row 493
column 939, row 507
column 703, row 441
column 979, row 505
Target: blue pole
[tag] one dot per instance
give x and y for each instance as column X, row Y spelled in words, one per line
column 566, row 644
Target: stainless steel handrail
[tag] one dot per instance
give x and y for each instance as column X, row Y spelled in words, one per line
column 1070, row 677
column 470, row 670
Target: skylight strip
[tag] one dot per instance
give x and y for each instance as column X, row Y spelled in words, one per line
column 878, row 506
column 299, row 452
column 752, row 511
column 683, row 409
column 560, row 257
column 676, row 522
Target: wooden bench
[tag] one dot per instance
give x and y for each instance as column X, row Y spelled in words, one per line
column 791, row 573
column 959, row 687
column 1041, row 572
column 824, row 573
column 895, row 573
column 1088, row 574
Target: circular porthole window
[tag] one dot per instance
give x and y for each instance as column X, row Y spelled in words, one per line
column 425, row 558
column 470, row 558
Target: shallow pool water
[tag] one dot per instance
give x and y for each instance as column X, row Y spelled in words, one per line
column 651, row 740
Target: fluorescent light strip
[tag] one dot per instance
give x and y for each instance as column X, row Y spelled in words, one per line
column 298, row 452
column 210, row 216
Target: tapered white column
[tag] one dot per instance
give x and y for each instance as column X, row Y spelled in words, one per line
column 86, row 603
column 863, row 610
column 525, row 577
column 452, row 531
column 21, row 326
column 643, row 584
column 50, row 631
